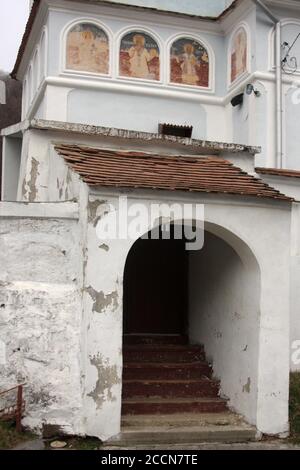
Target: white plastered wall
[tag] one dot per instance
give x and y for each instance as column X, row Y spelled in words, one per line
column 245, row 226
column 40, row 312
column 224, row 316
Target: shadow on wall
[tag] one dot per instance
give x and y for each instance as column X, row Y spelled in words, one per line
column 224, row 315
column 10, row 108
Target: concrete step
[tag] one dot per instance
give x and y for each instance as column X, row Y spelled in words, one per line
column 155, row 339
column 163, row 406
column 224, row 419
column 184, row 435
column 163, row 353
column 164, row 347
column 171, row 388
column 167, row 371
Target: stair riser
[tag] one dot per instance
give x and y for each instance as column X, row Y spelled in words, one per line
column 163, row 356
column 165, row 373
column 192, row 390
column 170, row 408
column 144, row 339
column 179, row 437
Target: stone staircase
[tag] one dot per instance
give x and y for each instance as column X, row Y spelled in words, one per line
column 170, row 395
column 164, row 374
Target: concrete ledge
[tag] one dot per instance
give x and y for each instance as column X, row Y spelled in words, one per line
column 40, row 210
column 202, row 146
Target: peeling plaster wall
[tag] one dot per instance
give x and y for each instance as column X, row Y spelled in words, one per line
column 33, row 182
column 40, row 318
column 63, row 183
column 224, row 316
column 263, row 325
column 102, row 298
column 44, row 176
column 291, row 187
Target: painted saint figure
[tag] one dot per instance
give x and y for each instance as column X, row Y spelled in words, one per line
column 189, row 63
column 139, row 57
column 239, row 54
column 88, row 49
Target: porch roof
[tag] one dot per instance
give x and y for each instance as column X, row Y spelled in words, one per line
column 278, row 172
column 132, row 169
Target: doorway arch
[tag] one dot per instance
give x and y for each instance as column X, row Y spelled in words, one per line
column 212, row 296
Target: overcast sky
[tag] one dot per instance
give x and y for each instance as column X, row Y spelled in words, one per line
column 13, row 17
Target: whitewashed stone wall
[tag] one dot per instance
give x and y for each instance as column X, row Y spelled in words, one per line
column 252, row 230
column 40, row 315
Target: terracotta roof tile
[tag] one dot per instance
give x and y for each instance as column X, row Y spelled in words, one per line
column 102, row 167
column 278, row 172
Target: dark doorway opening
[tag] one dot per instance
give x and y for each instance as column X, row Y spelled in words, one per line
column 156, row 287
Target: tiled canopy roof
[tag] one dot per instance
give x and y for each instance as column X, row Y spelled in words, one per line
column 102, row 167
column 278, row 172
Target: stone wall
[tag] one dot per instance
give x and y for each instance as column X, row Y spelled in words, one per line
column 40, row 315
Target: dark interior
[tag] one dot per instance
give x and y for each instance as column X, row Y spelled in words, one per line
column 155, row 287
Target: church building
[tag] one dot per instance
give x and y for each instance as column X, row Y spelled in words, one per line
column 119, row 327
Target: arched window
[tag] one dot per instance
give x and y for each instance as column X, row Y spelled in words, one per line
column 88, row 49
column 36, row 71
column 189, row 63
column 139, row 56
column 289, row 32
column 42, row 57
column 25, row 98
column 30, row 86
column 238, row 54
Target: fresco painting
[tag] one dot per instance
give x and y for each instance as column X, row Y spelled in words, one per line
column 88, row 49
column 189, row 63
column 139, row 56
column 239, row 54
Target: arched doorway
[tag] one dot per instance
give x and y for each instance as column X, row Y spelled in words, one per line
column 155, row 287
column 210, row 300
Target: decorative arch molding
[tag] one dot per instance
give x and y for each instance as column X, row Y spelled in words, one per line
column 30, row 84
column 239, row 61
column 195, row 79
column 151, row 68
column 230, row 233
column 271, row 42
column 93, row 58
column 43, row 45
column 156, row 69
column 36, row 69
